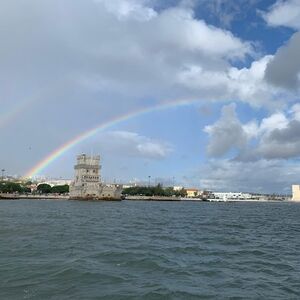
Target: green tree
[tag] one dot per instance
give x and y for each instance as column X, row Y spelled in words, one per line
column 26, row 189
column 157, row 190
column 60, row 189
column 44, row 188
column 10, row 187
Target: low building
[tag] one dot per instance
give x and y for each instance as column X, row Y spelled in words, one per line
column 192, row 192
column 87, row 182
column 232, row 195
column 296, row 192
column 177, row 188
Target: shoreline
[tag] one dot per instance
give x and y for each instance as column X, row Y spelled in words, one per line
column 137, row 198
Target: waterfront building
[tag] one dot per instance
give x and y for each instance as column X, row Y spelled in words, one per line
column 177, row 188
column 87, row 182
column 192, row 192
column 296, row 192
column 232, row 195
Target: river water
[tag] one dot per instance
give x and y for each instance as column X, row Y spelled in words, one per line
column 149, row 250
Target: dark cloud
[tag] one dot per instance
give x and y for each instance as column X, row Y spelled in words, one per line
column 281, row 143
column 226, row 134
column 276, row 137
column 283, row 70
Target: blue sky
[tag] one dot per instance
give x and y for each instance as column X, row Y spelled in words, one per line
column 67, row 66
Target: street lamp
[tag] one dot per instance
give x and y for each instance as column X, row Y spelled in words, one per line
column 3, row 170
column 149, row 179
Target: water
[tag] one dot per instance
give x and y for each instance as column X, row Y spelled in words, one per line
column 149, row 250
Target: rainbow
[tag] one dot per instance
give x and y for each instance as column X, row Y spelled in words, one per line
column 45, row 162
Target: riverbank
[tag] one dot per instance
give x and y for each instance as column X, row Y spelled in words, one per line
column 4, row 196
column 7, row 196
column 152, row 198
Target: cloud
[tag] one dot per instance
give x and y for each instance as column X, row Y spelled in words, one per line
column 129, row 9
column 274, row 137
column 284, row 68
column 106, row 37
column 247, row 84
column 281, row 143
column 284, row 13
column 125, row 50
column 221, row 12
column 226, row 134
column 262, row 176
column 131, row 144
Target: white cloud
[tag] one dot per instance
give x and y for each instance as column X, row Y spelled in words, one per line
column 125, row 143
column 121, row 45
column 129, row 9
column 284, row 13
column 246, row 84
column 295, row 111
column 276, row 121
column 274, row 137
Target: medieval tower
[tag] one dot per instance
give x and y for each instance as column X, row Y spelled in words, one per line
column 87, row 182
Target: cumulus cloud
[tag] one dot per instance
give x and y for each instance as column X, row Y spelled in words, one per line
column 284, row 69
column 281, row 143
column 284, row 13
column 123, row 45
column 125, row 143
column 226, row 134
column 125, row 49
column 246, row 84
column 94, row 38
column 274, row 137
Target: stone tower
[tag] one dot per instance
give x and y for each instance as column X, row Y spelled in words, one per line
column 87, row 182
column 87, row 179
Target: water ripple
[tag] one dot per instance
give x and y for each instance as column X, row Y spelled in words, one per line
column 149, row 250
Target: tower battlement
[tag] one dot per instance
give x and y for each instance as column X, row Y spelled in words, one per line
column 88, row 160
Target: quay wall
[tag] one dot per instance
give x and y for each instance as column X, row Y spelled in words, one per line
column 4, row 196
column 152, row 198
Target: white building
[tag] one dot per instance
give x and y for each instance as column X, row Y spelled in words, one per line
column 231, row 195
column 55, row 182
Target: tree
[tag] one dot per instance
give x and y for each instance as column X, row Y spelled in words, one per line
column 157, row 190
column 10, row 187
column 60, row 189
column 26, row 189
column 44, row 188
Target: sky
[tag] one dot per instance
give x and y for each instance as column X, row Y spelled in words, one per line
column 223, row 77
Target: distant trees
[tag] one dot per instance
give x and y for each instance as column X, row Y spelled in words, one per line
column 60, row 189
column 23, row 188
column 157, row 190
column 13, row 187
column 45, row 188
